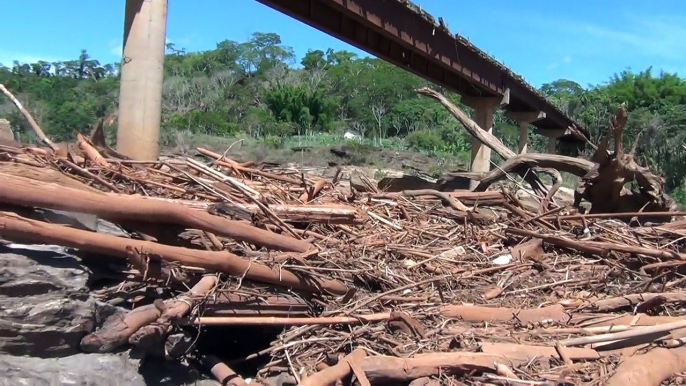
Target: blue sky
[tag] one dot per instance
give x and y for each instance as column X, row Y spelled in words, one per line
column 543, row 40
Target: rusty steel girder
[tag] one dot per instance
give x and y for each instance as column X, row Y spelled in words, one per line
column 400, row 33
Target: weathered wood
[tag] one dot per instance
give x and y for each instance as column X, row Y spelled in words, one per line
column 13, row 227
column 116, row 207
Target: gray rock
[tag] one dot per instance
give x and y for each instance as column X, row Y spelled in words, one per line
column 80, row 369
column 45, row 311
column 44, row 305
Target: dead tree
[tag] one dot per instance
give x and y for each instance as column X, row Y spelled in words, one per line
column 604, row 178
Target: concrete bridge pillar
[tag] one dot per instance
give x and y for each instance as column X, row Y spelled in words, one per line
column 524, row 118
column 553, row 135
column 484, row 110
column 140, row 91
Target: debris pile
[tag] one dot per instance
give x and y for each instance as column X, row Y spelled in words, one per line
column 294, row 279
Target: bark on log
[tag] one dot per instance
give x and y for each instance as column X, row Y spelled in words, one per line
column 155, row 333
column 305, row 214
column 15, row 227
column 633, row 300
column 650, row 369
column 116, row 207
column 337, row 372
column 393, row 370
column 223, row 373
column 118, row 330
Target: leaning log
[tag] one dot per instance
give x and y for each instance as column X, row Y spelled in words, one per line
column 16, row 228
column 118, row 329
column 117, row 207
column 604, row 177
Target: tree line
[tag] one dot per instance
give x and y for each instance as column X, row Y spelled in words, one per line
column 258, row 88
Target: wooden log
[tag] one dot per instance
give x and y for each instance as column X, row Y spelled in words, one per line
column 118, row 329
column 395, row 371
column 116, row 207
column 287, row 321
column 313, row 191
column 223, row 373
column 331, row 375
column 155, row 333
column 598, row 247
column 633, row 300
column 223, row 161
column 15, row 227
column 650, row 369
column 306, row 214
column 477, row 314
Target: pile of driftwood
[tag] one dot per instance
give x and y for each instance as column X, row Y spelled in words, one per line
column 317, row 283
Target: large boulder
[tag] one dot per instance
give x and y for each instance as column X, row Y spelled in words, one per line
column 80, row 369
column 45, row 308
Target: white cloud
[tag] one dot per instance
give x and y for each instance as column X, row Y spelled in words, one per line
column 115, row 47
column 7, row 58
column 554, row 65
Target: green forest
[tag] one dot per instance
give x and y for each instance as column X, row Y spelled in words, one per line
column 258, row 90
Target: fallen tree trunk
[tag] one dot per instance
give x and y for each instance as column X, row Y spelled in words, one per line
column 598, row 247
column 331, row 375
column 477, row 314
column 521, row 163
column 323, row 214
column 483, row 136
column 650, row 369
column 119, row 330
column 634, row 300
column 116, row 207
column 604, row 177
column 393, row 370
column 453, row 202
column 13, row 227
column 155, row 333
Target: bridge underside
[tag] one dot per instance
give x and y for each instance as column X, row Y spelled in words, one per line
column 390, row 29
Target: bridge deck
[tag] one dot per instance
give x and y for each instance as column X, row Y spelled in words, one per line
column 400, row 33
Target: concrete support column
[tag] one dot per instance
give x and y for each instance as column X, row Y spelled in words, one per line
column 140, row 91
column 553, row 135
column 525, row 118
column 552, row 145
column 484, row 109
column 481, row 154
column 523, row 136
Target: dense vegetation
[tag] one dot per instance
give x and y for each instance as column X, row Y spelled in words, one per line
column 257, row 89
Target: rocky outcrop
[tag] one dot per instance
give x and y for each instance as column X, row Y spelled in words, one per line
column 80, row 369
column 44, row 307
column 45, row 311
